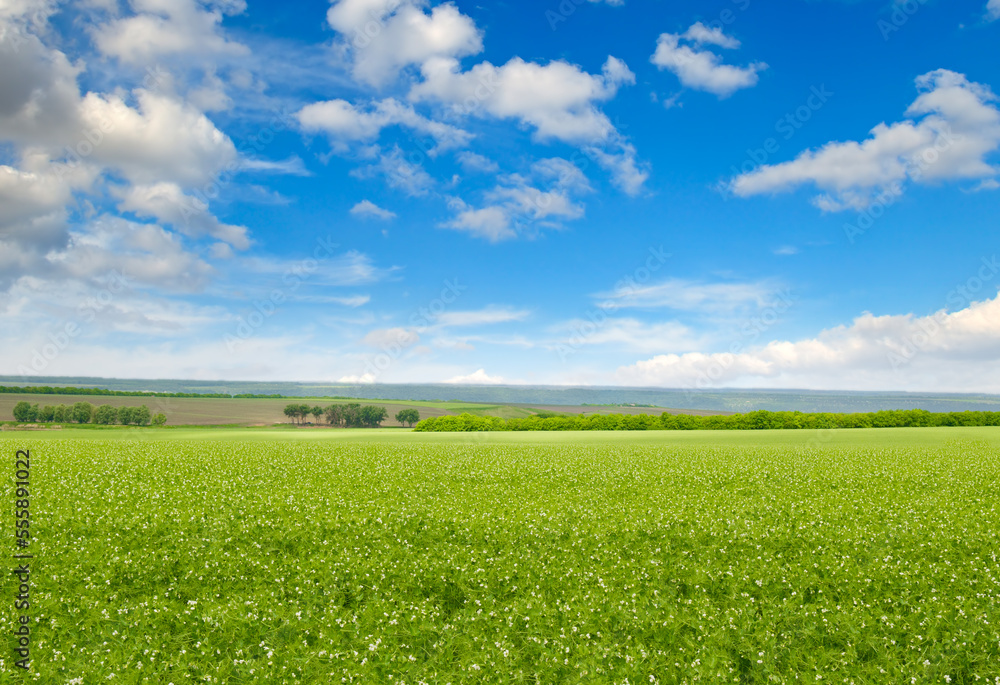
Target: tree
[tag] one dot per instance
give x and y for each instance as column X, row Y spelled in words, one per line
column 126, row 415
column 408, row 416
column 22, row 411
column 106, row 415
column 46, row 413
column 351, row 413
column 334, row 416
column 160, row 419
column 292, row 411
column 60, row 413
column 83, row 412
column 372, row 416
column 141, row 416
column 317, row 412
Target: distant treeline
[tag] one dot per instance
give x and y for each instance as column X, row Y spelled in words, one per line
column 85, row 412
column 49, row 390
column 756, row 420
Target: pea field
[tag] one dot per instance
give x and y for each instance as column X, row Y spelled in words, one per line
column 459, row 559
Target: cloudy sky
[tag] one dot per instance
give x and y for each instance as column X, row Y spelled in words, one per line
column 630, row 192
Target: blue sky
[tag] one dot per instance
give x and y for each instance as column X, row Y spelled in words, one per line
column 630, row 192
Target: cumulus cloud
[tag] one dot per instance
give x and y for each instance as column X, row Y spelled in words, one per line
column 944, row 351
column 346, row 123
column 479, row 377
column 993, row 10
column 557, row 99
column 386, row 37
column 167, row 202
column 169, row 27
column 367, row 208
column 952, row 126
column 518, row 205
column 702, row 69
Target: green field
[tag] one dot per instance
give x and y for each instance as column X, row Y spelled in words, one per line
column 281, row 556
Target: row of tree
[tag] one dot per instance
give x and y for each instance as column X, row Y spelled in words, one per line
column 757, row 420
column 85, row 412
column 351, row 415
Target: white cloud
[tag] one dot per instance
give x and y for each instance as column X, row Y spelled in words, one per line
column 385, row 37
column 473, row 162
column 691, row 296
column 167, row 202
column 626, row 333
column 399, row 172
column 391, row 338
column 702, row 69
column 557, row 99
column 993, row 10
column 943, row 351
column 367, row 208
column 479, row 377
column 346, row 123
column 146, row 253
column 363, row 379
column 517, row 205
column 958, row 130
column 169, row 27
column 481, row 317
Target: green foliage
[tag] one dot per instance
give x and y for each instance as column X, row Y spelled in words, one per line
column 106, row 415
column 25, row 412
column 756, row 420
column 82, row 412
column 408, row 416
column 468, row 563
column 160, row 419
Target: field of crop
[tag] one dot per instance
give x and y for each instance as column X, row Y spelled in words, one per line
column 862, row 557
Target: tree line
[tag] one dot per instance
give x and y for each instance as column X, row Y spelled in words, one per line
column 351, row 415
column 62, row 390
column 85, row 412
column 756, row 420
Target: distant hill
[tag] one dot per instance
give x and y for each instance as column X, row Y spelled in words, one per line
column 723, row 400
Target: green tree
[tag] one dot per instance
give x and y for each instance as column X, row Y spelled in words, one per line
column 126, row 415
column 292, row 411
column 142, row 417
column 317, row 412
column 160, row 419
column 22, row 411
column 351, row 413
column 106, row 415
column 334, row 416
column 83, row 412
column 408, row 416
column 46, row 413
column 372, row 416
column 60, row 413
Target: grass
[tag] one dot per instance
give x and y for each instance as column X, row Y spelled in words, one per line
column 262, row 556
